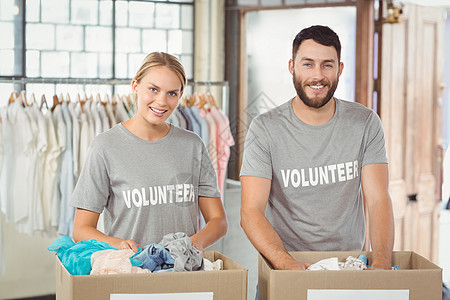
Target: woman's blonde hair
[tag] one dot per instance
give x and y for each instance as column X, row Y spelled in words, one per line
column 156, row 59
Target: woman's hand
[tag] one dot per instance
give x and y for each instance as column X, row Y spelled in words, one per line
column 196, row 242
column 126, row 244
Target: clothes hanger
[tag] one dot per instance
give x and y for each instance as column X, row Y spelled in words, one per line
column 81, row 102
column 56, row 102
column 13, row 97
column 23, row 99
column 43, row 101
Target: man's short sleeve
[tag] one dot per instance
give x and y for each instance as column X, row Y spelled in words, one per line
column 257, row 157
column 375, row 150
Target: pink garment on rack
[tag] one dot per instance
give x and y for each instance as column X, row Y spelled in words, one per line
column 114, row 262
column 224, row 140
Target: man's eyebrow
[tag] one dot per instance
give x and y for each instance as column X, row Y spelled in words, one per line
column 323, row 61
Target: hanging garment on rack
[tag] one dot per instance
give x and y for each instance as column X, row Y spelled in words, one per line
column 110, row 114
column 212, row 147
column 182, row 112
column 49, row 193
column 195, row 123
column 76, row 132
column 224, row 142
column 204, row 129
column 67, row 183
column 61, row 132
column 120, row 112
column 98, row 125
column 22, row 142
column 103, row 116
column 38, row 146
column 85, row 139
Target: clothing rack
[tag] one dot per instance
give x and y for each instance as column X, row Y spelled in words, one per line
column 206, row 85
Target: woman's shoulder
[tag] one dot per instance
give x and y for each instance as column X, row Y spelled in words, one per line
column 185, row 135
column 110, row 135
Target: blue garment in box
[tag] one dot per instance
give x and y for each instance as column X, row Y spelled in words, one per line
column 76, row 257
column 155, row 258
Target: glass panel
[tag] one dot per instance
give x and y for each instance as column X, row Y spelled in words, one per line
column 187, row 17
column 94, row 89
column 167, row 16
column 122, row 89
column 70, row 91
column 40, row 89
column 106, row 12
column 84, row 65
column 33, row 63
column 128, row 40
column 134, row 63
column 121, row 65
column 8, row 10
column 5, row 91
column 121, row 13
column 40, row 36
column 264, row 74
column 188, row 42
column 85, row 12
column 315, row 1
column 141, row 14
column 247, row 2
column 175, row 41
column 69, row 38
column 7, row 62
column 188, row 65
column 55, row 11
column 7, row 35
column 98, row 39
column 271, row 2
column 105, row 65
column 154, row 40
column 33, row 9
column 186, row 1
column 55, row 64
column 288, row 2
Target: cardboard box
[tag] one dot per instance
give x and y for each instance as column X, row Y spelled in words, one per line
column 229, row 283
column 417, row 276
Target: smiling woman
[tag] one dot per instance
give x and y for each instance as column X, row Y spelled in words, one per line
column 116, row 183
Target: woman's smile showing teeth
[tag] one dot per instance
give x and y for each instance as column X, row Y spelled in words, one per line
column 158, row 112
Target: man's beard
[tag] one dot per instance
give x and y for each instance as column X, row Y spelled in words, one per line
column 315, row 102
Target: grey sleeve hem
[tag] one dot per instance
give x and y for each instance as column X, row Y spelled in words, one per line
column 87, row 207
column 255, row 175
column 366, row 163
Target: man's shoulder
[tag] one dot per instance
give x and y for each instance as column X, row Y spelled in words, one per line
column 353, row 107
column 274, row 115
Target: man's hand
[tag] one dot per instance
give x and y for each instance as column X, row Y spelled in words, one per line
column 297, row 265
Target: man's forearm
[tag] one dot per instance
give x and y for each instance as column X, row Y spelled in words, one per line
column 265, row 239
column 381, row 227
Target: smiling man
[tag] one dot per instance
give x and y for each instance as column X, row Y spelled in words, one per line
column 309, row 163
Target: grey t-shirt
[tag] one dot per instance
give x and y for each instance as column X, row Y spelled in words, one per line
column 315, row 200
column 146, row 189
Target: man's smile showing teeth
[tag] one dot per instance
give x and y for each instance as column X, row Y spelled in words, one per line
column 157, row 110
column 316, row 87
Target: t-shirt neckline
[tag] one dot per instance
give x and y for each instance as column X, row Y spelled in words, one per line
column 161, row 140
column 329, row 123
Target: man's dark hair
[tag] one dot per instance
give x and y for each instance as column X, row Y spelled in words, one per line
column 323, row 35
